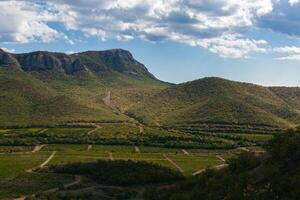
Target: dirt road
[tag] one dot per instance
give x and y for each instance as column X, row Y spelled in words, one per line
column 38, row 148
column 218, row 167
column 222, row 159
column 185, row 152
column 48, row 160
column 110, row 102
column 94, row 130
column 110, row 156
column 173, row 163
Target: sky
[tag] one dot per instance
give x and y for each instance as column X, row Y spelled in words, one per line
column 255, row 41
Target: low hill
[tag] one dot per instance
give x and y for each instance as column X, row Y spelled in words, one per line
column 220, row 101
column 265, row 176
column 46, row 88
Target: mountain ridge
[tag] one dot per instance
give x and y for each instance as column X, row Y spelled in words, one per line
column 218, row 100
column 36, row 84
column 113, row 60
column 49, row 88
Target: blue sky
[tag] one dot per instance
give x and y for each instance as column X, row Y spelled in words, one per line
column 254, row 41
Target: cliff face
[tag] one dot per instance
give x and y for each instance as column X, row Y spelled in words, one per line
column 7, row 59
column 115, row 60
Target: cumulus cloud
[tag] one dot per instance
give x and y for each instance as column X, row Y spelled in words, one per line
column 291, row 53
column 295, row 57
column 8, row 50
column 22, row 21
column 206, row 23
column 217, row 25
column 293, row 2
column 285, row 18
column 287, row 49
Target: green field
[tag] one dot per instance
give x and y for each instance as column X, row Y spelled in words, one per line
column 258, row 137
column 166, row 148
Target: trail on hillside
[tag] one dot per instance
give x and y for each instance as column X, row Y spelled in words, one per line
column 43, row 131
column 173, row 163
column 221, row 158
column 38, row 148
column 185, row 152
column 48, row 160
column 77, row 180
column 111, row 156
column 94, row 130
column 110, row 102
column 218, row 167
column 137, row 149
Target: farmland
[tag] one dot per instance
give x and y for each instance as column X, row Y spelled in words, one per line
column 26, row 153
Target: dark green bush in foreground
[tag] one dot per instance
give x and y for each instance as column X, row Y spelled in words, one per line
column 120, row 172
column 274, row 175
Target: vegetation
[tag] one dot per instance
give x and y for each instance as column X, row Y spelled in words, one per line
column 274, row 175
column 36, row 91
column 120, row 172
column 121, row 134
column 216, row 101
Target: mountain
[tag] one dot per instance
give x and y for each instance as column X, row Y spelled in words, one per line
column 115, row 60
column 220, row 101
column 46, row 88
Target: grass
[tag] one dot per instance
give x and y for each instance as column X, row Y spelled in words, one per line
column 192, row 165
column 13, row 149
column 62, row 131
column 215, row 100
column 14, row 164
column 196, row 159
column 27, row 184
column 256, row 137
column 145, row 149
column 127, row 134
column 112, row 148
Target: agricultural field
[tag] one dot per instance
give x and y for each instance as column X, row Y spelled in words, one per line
column 23, row 152
column 129, row 134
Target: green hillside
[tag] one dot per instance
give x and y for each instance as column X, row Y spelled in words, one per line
column 216, row 100
column 48, row 88
column 44, row 88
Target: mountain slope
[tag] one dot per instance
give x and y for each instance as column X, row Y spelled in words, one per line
column 45, row 88
column 215, row 100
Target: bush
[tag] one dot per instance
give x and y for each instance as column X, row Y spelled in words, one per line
column 120, row 172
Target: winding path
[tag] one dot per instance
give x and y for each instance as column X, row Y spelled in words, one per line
column 173, row 163
column 137, row 149
column 218, row 167
column 185, row 151
column 111, row 156
column 48, row 160
column 38, row 148
column 94, row 130
column 221, row 158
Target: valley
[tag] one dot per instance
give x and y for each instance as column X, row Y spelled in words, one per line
column 99, row 125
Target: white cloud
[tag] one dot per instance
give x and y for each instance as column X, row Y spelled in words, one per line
column 217, row 25
column 287, row 49
column 8, row 50
column 22, row 21
column 291, row 53
column 295, row 57
column 194, row 22
column 293, row 2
